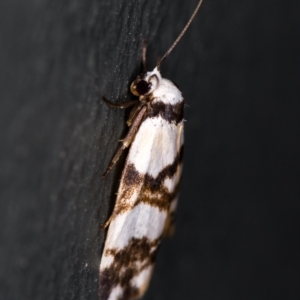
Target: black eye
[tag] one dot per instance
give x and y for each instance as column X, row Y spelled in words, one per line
column 143, row 87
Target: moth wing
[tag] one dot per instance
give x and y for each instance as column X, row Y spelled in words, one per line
column 145, row 204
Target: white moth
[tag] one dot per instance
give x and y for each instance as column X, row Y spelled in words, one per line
column 147, row 196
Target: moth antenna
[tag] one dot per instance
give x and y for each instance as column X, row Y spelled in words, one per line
column 181, row 34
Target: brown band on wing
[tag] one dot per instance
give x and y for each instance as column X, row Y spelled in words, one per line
column 169, row 171
column 161, row 198
column 128, row 262
column 150, row 190
column 173, row 113
column 131, row 180
column 131, row 176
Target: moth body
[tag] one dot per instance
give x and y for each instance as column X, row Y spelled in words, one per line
column 147, row 196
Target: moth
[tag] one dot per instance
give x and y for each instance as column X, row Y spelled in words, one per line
column 148, row 192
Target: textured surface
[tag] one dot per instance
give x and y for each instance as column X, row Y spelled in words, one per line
column 238, row 69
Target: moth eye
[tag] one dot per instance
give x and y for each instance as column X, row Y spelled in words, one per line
column 143, row 87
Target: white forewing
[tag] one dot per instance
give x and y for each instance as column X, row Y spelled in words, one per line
column 153, row 147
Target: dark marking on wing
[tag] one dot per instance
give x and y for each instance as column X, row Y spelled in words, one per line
column 173, row 113
column 131, row 176
column 160, row 199
column 128, row 262
column 151, row 190
column 154, row 192
column 154, row 184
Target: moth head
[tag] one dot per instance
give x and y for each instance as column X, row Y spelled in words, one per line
column 146, row 83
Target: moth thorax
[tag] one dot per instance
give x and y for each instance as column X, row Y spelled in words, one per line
column 145, row 83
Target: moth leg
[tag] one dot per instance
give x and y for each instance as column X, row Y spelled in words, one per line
column 120, row 105
column 103, row 227
column 144, row 52
column 133, row 114
column 128, row 139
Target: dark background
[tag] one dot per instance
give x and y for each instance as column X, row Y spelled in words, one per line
column 238, row 67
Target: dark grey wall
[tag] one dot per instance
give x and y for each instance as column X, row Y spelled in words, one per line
column 238, row 68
